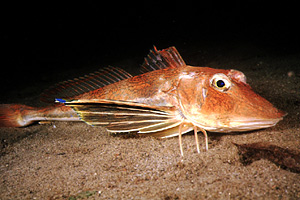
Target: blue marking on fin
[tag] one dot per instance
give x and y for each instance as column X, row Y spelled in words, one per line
column 60, row 100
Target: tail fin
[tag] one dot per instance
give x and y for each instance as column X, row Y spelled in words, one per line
column 14, row 115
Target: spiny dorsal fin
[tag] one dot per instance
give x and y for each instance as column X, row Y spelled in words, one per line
column 71, row 88
column 162, row 59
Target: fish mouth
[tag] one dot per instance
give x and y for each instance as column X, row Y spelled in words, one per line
column 244, row 125
column 254, row 124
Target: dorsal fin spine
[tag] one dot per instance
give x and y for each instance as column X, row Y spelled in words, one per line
column 162, row 59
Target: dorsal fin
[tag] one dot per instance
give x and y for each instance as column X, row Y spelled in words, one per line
column 90, row 82
column 162, row 59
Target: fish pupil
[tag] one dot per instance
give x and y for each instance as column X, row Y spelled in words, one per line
column 220, row 83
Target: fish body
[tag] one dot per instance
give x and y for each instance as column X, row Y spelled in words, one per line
column 170, row 98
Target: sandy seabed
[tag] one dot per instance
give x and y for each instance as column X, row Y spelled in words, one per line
column 63, row 160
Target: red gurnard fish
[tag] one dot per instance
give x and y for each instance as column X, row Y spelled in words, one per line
column 168, row 99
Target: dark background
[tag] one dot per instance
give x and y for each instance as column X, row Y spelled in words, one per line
column 42, row 43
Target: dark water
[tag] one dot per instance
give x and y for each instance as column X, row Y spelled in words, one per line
column 45, row 43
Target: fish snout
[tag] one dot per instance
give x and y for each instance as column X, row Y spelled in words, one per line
column 265, row 111
column 259, row 116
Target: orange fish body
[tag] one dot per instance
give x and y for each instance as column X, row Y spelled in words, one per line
column 169, row 99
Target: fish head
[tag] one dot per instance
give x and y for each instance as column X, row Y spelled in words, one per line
column 222, row 101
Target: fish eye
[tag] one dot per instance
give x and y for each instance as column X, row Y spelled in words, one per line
column 220, row 82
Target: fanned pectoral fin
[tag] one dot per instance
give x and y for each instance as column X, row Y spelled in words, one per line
column 124, row 116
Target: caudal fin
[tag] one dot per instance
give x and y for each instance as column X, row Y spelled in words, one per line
column 14, row 115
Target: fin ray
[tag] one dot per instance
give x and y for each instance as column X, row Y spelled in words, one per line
column 162, row 59
column 160, row 126
column 124, row 116
column 70, row 89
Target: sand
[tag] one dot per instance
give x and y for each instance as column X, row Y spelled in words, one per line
column 63, row 160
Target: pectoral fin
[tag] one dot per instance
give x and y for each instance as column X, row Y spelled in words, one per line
column 124, row 116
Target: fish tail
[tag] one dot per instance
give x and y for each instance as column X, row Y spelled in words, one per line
column 14, row 115
column 17, row 115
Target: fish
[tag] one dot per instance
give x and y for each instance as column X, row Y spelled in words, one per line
column 169, row 98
